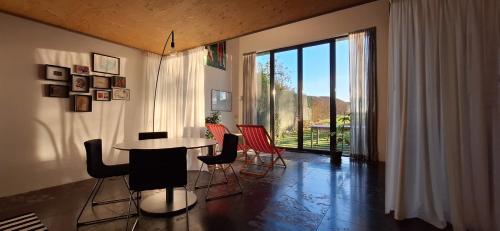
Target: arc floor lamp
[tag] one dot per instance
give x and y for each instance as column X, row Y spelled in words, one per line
column 172, row 45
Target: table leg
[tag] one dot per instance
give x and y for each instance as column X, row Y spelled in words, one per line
column 168, row 202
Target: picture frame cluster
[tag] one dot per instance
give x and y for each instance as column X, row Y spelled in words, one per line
column 105, row 82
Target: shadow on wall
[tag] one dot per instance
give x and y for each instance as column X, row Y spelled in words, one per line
column 45, row 144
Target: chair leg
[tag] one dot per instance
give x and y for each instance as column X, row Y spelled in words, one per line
column 198, row 177
column 187, row 208
column 210, row 183
column 100, row 181
column 87, row 201
column 237, row 178
column 131, row 198
column 96, row 203
column 128, row 213
column 224, row 171
column 204, row 186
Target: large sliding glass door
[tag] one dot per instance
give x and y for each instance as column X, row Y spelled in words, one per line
column 296, row 94
column 286, row 98
column 316, row 97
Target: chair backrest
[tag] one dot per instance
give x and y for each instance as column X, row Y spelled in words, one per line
column 152, row 135
column 95, row 165
column 218, row 131
column 256, row 138
column 230, row 148
column 157, row 168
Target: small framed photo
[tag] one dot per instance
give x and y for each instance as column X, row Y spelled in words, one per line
column 57, row 73
column 105, row 64
column 80, row 83
column 221, row 100
column 83, row 70
column 101, row 82
column 121, row 94
column 102, row 95
column 59, row 91
column 81, row 103
column 119, row 81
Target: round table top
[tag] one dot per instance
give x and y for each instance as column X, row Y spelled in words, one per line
column 189, row 143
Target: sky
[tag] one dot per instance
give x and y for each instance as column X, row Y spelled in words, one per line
column 316, row 68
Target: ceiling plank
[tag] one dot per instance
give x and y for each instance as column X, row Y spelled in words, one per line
column 146, row 24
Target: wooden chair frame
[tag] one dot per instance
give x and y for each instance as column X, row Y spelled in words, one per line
column 274, row 151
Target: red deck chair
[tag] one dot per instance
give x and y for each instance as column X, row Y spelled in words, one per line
column 257, row 139
column 218, row 131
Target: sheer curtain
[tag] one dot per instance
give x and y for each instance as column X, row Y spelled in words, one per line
column 363, row 95
column 441, row 155
column 249, row 89
column 180, row 100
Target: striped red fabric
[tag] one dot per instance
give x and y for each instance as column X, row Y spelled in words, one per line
column 218, row 130
column 257, row 138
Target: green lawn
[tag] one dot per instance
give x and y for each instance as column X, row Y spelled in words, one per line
column 289, row 140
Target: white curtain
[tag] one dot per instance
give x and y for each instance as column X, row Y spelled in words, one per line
column 180, row 100
column 362, row 94
column 442, row 107
column 249, row 89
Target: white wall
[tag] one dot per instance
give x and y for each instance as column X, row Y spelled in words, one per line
column 374, row 14
column 219, row 79
column 41, row 140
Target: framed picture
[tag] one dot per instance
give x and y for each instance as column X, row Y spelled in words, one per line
column 121, row 94
column 216, row 55
column 102, row 95
column 81, row 103
column 105, row 64
column 221, row 100
column 83, row 70
column 59, row 91
column 80, row 83
column 101, row 82
column 119, row 81
column 57, row 73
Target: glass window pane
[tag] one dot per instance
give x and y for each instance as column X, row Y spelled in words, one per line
column 263, row 89
column 286, row 99
column 316, row 97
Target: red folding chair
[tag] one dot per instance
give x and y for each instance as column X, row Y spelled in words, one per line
column 218, row 131
column 257, row 139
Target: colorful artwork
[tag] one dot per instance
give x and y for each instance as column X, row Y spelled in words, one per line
column 102, row 95
column 80, row 83
column 119, row 81
column 84, row 70
column 216, row 56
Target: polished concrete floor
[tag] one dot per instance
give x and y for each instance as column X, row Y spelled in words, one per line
column 310, row 194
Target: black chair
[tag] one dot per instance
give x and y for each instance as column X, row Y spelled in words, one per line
column 227, row 156
column 156, row 169
column 152, row 135
column 97, row 169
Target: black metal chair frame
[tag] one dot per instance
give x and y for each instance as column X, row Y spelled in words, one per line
column 225, row 175
column 95, row 190
column 225, row 182
column 98, row 170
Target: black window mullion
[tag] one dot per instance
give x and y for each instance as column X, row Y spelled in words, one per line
column 299, row 103
column 271, row 93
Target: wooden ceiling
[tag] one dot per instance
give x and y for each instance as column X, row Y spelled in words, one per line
column 144, row 24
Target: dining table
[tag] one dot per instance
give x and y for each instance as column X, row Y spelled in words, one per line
column 171, row 200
